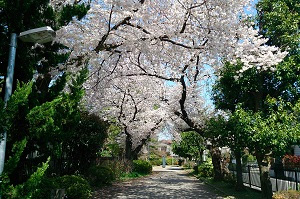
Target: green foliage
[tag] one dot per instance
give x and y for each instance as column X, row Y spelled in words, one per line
column 45, row 188
column 130, row 175
column 158, row 161
column 227, row 92
column 111, row 146
column 190, row 146
column 232, row 166
column 63, row 131
column 279, row 20
column 5, row 187
column 13, row 160
column 142, row 166
column 76, row 187
column 205, row 169
column 100, row 175
column 17, row 102
column 30, row 186
column 40, row 111
column 118, row 167
column 155, row 162
column 92, row 132
column 169, row 161
column 272, row 132
column 27, row 189
column 69, row 11
column 17, row 16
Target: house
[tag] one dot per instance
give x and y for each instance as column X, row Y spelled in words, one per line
column 165, row 146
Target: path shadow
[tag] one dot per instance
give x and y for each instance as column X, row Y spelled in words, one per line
column 165, row 185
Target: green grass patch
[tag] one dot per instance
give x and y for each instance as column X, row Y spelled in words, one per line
column 131, row 175
column 228, row 189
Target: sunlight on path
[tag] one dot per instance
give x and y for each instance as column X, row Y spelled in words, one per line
column 171, row 182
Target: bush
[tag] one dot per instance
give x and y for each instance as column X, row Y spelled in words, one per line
column 205, row 169
column 142, row 166
column 232, row 167
column 169, row 161
column 118, row 167
column 156, row 162
column 100, row 175
column 45, row 187
column 75, row 187
column 291, row 194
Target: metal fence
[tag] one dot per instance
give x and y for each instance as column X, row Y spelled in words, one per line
column 281, row 179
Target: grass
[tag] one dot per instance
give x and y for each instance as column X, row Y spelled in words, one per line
column 228, row 189
column 131, row 175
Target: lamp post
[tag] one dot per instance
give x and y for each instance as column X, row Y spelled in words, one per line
column 37, row 35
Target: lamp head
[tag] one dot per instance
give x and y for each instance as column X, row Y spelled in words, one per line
column 38, row 35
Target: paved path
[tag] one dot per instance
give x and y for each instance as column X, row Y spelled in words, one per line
column 171, row 182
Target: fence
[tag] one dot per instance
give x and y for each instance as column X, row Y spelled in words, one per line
column 281, row 179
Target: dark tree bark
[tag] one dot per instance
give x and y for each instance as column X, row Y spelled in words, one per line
column 216, row 160
column 129, row 155
column 239, row 171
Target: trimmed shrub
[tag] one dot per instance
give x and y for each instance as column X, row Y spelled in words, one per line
column 118, row 167
column 291, row 194
column 75, row 187
column 156, row 162
column 142, row 166
column 45, row 187
column 169, row 161
column 100, row 175
column 205, row 169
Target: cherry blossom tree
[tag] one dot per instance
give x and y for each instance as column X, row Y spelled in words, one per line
column 132, row 104
column 131, row 45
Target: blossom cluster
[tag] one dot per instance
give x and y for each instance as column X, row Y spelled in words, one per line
column 135, row 48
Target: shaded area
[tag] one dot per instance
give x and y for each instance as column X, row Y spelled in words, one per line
column 165, row 183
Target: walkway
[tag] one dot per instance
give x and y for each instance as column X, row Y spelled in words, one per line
column 171, row 182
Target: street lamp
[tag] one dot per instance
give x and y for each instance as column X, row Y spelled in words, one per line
column 37, row 35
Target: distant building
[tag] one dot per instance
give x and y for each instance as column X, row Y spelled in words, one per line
column 165, row 146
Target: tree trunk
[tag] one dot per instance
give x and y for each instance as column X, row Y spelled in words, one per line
column 201, row 156
column 278, row 168
column 239, row 171
column 128, row 147
column 264, row 168
column 216, row 160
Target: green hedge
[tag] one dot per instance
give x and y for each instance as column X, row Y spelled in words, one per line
column 75, row 187
column 142, row 166
column 100, row 175
column 205, row 169
column 156, row 162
